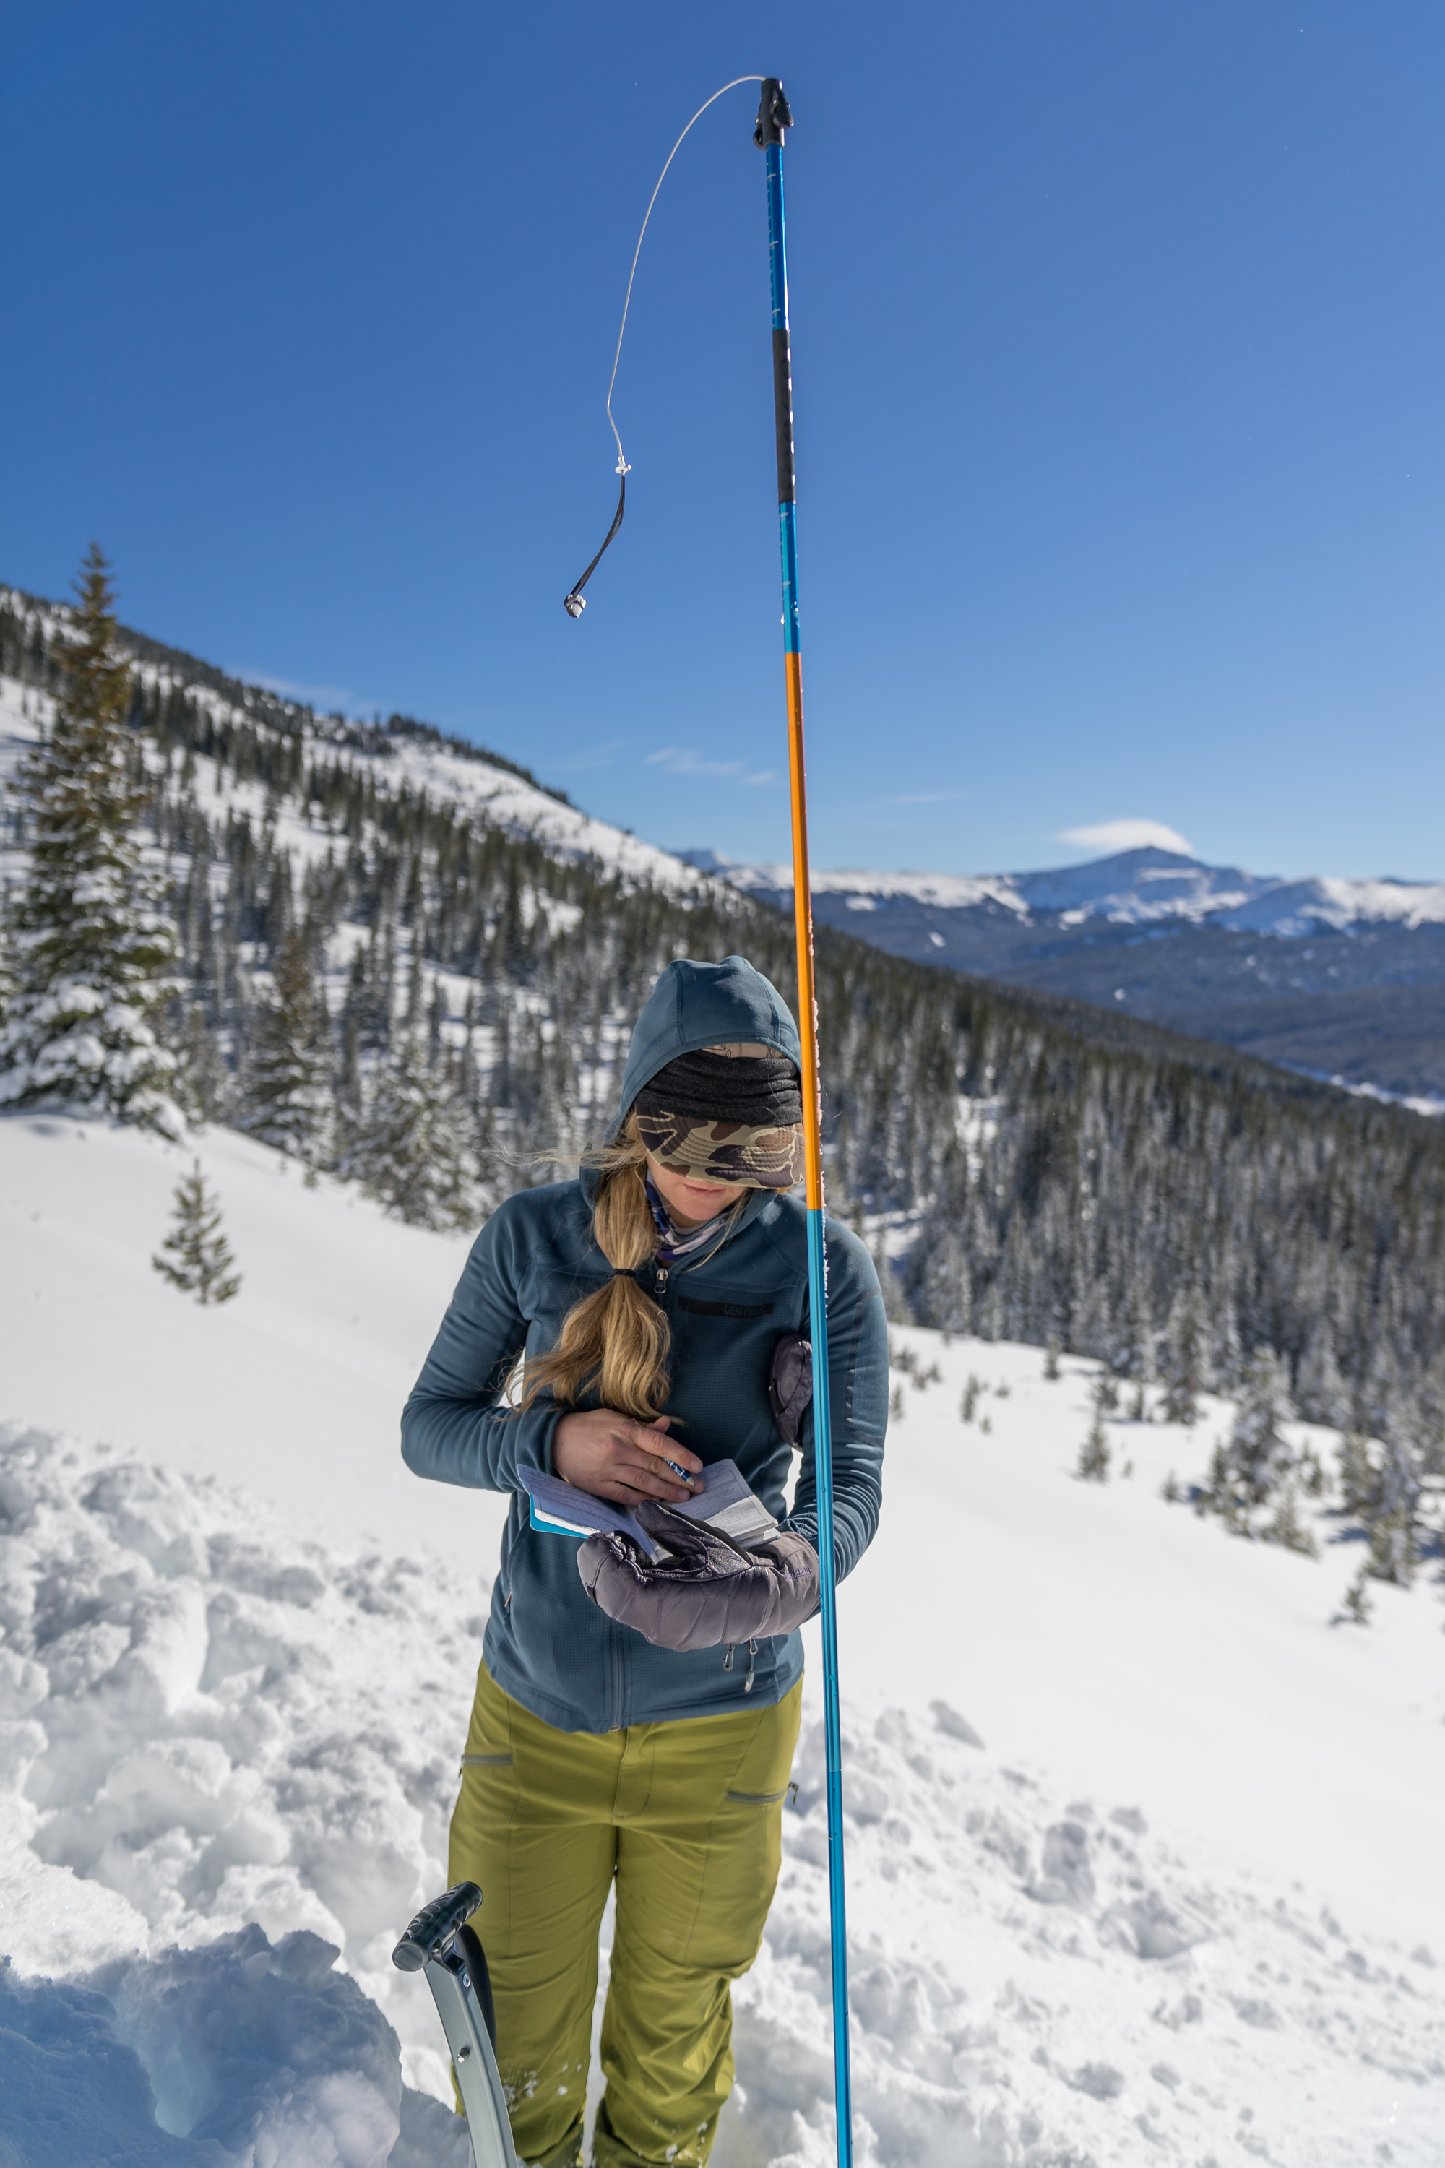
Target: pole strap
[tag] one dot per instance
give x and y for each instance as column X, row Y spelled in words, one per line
column 572, row 601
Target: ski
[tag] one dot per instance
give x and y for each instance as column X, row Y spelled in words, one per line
column 440, row 1943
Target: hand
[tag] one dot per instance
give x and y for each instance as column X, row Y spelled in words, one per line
column 707, row 1591
column 612, row 1456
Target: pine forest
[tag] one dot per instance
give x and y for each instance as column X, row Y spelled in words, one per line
column 368, row 969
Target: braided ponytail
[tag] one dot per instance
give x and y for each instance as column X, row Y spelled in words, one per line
column 613, row 1345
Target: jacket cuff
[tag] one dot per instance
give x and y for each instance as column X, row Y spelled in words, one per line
column 534, row 1435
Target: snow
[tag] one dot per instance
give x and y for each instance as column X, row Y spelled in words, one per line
column 949, row 891
column 1144, row 1856
column 471, row 782
column 1137, row 888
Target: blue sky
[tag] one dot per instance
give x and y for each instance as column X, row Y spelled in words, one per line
column 1119, row 339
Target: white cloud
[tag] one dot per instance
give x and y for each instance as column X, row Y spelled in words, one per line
column 678, row 760
column 681, row 760
column 1110, row 836
column 601, row 756
column 314, row 696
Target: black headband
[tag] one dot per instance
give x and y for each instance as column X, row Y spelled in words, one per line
column 762, row 1090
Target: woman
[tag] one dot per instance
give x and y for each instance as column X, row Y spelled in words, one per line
column 633, row 1724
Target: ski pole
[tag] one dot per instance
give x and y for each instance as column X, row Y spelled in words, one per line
column 774, row 117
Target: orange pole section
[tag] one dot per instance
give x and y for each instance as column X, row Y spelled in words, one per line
column 803, row 923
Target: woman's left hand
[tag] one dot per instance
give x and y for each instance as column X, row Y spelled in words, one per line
column 615, row 1457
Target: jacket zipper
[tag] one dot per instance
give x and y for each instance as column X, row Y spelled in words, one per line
column 731, row 1651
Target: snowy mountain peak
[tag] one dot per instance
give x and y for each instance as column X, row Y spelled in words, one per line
column 1135, row 887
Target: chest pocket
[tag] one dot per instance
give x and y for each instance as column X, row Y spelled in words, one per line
column 700, row 1308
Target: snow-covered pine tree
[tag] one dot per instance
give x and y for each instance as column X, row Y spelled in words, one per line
column 195, row 1256
column 1357, row 1605
column 92, row 954
column 1359, row 1477
column 1285, row 1526
column 1140, row 1342
column 413, row 1151
column 1395, row 1522
column 1258, row 1455
column 286, row 1096
column 1104, row 1392
column 1224, row 1355
column 1321, row 1394
column 1182, row 1366
column 202, row 1085
column 1093, row 1462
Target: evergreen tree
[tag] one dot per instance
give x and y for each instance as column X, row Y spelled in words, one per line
column 1183, row 1367
column 1357, row 1605
column 202, row 1084
column 414, row 1150
column 1359, row 1478
column 1257, row 1454
column 1093, row 1462
column 1320, row 1392
column 195, row 1256
column 1138, row 1357
column 91, row 953
column 287, row 1089
column 1395, row 1521
column 1286, row 1527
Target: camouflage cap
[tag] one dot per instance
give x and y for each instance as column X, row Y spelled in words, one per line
column 726, row 1114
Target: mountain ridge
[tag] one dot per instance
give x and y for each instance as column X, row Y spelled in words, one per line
column 1136, row 887
column 1335, row 977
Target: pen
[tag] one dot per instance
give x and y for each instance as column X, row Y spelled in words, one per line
column 681, row 1473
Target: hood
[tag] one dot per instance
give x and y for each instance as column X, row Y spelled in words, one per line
column 695, row 1005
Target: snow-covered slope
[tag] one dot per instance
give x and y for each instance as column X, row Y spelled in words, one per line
column 495, row 793
column 1185, row 1900
column 1134, row 888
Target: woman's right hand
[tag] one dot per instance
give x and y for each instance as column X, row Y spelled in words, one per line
column 614, row 1457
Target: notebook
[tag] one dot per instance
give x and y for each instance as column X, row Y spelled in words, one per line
column 725, row 1502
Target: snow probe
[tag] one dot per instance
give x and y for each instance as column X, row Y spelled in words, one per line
column 440, row 1943
column 774, row 118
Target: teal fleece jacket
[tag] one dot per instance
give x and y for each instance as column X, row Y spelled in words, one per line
column 546, row 1643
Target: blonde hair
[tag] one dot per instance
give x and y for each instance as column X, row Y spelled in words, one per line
column 614, row 1343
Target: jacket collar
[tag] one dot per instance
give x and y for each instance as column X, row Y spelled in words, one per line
column 756, row 1201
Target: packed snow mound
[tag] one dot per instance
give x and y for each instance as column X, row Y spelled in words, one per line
column 238, row 2051
column 228, row 1754
column 208, row 1725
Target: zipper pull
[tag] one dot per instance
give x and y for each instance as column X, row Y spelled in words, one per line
column 660, row 1276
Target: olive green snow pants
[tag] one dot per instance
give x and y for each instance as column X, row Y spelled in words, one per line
column 686, row 1817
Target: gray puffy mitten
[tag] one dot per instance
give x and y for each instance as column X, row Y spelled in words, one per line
column 708, row 1592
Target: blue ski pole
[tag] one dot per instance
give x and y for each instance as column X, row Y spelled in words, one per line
column 773, row 118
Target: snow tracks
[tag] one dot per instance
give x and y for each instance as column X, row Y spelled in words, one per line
column 228, row 1755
